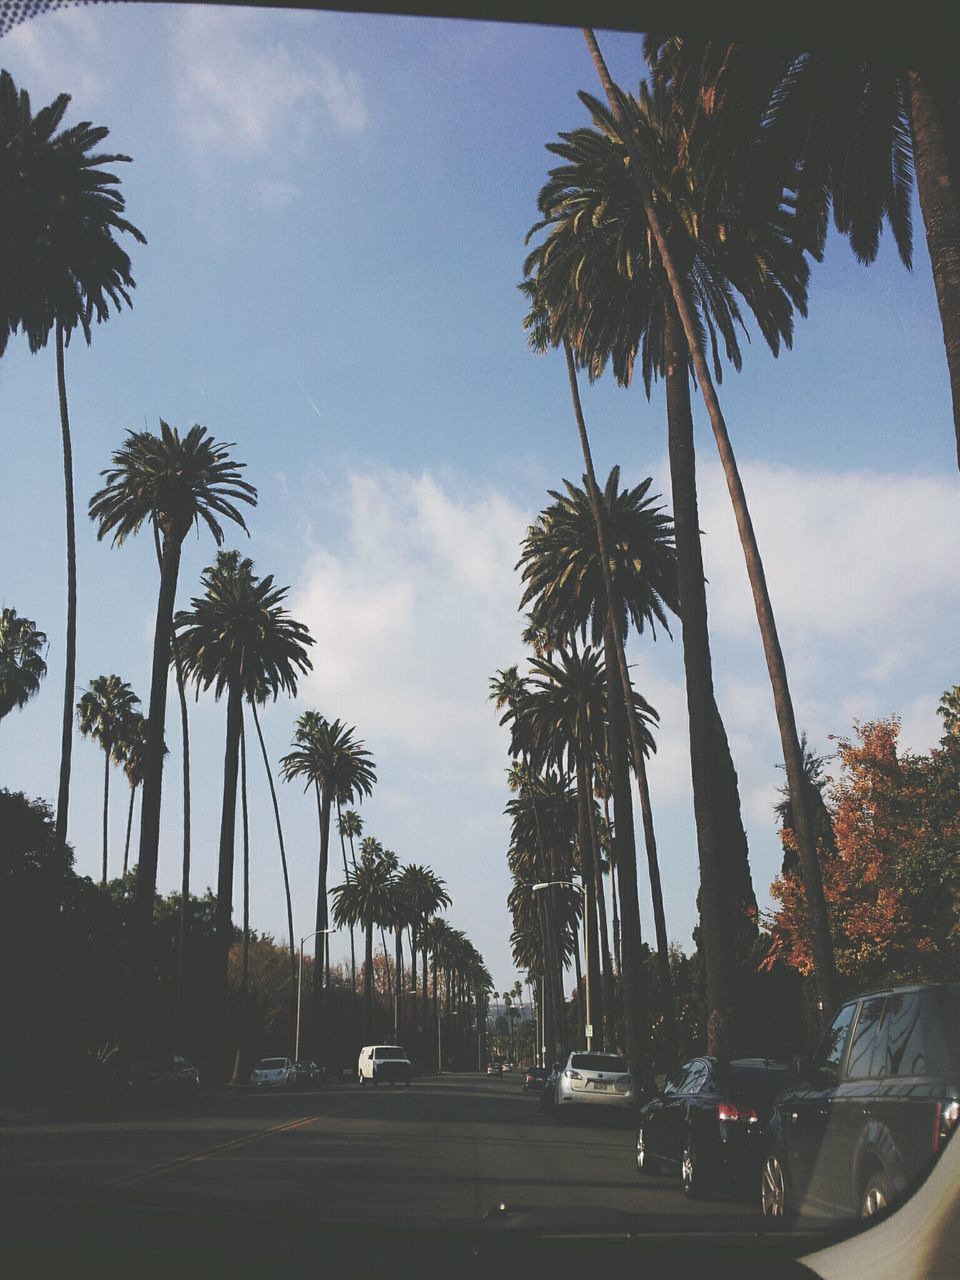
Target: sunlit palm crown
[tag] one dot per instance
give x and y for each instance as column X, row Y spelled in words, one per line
column 424, row 891
column 105, row 712
column 595, row 279
column 367, row 896
column 329, row 755
column 237, row 634
column 58, row 217
column 172, row 481
column 563, row 574
column 22, row 666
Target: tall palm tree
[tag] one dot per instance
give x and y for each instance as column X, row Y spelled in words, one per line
column 365, row 900
column 349, row 823
column 841, row 130
column 338, row 766
column 134, row 740
column 239, row 640
column 424, row 894
column 61, row 268
column 169, row 482
column 103, row 713
column 596, row 286
column 22, row 665
column 758, row 241
column 565, row 576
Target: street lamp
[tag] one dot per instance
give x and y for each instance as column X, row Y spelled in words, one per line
column 306, row 938
column 572, row 884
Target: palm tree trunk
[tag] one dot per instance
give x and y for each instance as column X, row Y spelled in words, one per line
column 346, row 876
column 386, row 968
column 320, row 952
column 245, row 828
column 70, row 651
column 805, row 830
column 126, row 846
column 185, row 858
column 935, row 168
column 398, row 977
column 589, row 877
column 603, row 933
column 106, row 809
column 368, row 1022
column 152, row 785
column 634, row 989
column 286, row 875
column 228, row 823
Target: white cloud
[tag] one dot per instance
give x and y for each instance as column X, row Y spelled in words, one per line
column 41, row 55
column 843, row 553
column 240, row 93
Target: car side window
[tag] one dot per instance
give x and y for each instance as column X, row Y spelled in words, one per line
column 864, row 1061
column 694, row 1077
column 829, row 1057
column 905, row 1051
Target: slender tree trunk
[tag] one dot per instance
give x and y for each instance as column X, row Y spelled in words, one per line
column 603, row 935
column 185, row 859
column 70, row 651
column 368, row 1022
column 106, row 810
column 935, row 162
column 588, row 874
column 398, row 972
column 634, row 986
column 286, row 875
column 790, row 741
column 386, row 967
column 126, row 846
column 346, row 876
column 245, row 829
column 581, row 993
column 228, row 823
column 320, row 952
column 152, row 785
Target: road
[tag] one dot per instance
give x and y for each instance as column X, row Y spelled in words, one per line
column 444, row 1152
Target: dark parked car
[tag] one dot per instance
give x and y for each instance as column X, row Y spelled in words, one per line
column 533, row 1078
column 878, row 1101
column 163, row 1078
column 307, row 1074
column 710, row 1122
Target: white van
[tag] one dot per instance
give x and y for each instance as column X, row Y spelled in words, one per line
column 384, row 1063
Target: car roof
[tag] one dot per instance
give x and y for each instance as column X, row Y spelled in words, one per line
column 901, row 988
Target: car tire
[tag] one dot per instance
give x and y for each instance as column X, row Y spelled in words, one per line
column 876, row 1195
column 775, row 1196
column 695, row 1184
column 647, row 1164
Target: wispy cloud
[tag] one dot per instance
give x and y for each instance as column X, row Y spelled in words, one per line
column 242, row 94
column 42, row 56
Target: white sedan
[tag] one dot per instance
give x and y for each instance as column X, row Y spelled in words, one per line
column 276, row 1073
column 594, row 1079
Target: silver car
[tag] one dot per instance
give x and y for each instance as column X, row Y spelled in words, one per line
column 595, row 1080
column 274, row 1073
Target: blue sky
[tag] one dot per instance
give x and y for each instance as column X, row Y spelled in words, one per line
column 335, row 208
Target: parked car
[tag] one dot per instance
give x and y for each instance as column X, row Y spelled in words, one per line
column 594, row 1080
column 274, row 1073
column 533, row 1079
column 307, row 1073
column 384, row 1064
column 711, row 1121
column 494, row 1069
column 877, row 1103
column 162, row 1078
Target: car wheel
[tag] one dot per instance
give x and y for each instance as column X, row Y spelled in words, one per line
column 691, row 1173
column 774, row 1195
column 876, row 1196
column 646, row 1163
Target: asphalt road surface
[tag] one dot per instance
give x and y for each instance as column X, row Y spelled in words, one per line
column 444, row 1152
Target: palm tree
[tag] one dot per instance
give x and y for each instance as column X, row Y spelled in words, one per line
column 565, row 576
column 349, row 824
column 170, row 482
column 338, row 767
column 61, row 267
column 424, row 894
column 134, row 740
column 365, row 899
column 758, row 239
column 103, row 712
column 238, row 639
column 22, row 666
column 835, row 129
column 595, row 284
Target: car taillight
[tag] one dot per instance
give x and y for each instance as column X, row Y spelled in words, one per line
column 727, row 1111
column 948, row 1113
column 573, row 1075
column 623, row 1079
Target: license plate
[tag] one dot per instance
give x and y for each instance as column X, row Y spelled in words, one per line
column 603, row 1087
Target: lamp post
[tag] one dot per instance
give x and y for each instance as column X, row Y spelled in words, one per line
column 582, row 888
column 306, row 938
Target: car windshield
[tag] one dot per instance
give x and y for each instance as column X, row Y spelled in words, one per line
column 480, row 520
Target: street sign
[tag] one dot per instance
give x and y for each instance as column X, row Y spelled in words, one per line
column 588, row 1029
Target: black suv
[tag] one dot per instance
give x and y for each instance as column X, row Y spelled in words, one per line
column 880, row 1098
